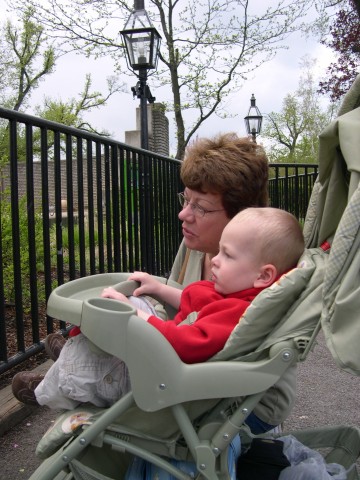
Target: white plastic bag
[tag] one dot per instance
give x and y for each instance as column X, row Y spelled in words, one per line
column 307, row 464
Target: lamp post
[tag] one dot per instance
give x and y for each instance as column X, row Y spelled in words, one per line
column 142, row 43
column 253, row 120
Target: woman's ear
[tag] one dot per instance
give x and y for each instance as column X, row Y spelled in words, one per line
column 266, row 277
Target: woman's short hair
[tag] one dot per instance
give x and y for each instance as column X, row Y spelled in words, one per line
column 236, row 168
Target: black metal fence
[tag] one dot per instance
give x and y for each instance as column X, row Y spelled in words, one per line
column 74, row 204
column 290, row 187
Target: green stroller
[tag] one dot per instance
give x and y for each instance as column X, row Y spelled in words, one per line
column 178, row 414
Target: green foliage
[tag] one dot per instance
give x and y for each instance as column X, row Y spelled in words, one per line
column 76, row 236
column 5, row 144
column 293, row 133
column 71, row 112
column 23, row 254
column 23, row 50
column 58, row 111
column 26, row 58
column 76, row 244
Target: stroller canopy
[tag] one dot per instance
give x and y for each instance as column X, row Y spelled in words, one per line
column 334, row 216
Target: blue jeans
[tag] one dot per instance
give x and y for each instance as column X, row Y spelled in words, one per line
column 256, row 425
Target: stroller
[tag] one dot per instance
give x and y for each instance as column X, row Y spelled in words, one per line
column 177, row 422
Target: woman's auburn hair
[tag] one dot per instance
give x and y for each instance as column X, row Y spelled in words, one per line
column 234, row 167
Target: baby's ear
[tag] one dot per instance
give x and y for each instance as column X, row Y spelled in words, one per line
column 266, row 277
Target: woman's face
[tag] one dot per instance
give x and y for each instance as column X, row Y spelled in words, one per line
column 203, row 232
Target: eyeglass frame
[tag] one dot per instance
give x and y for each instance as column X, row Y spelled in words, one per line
column 196, row 209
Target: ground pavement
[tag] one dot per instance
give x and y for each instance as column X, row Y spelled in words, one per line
column 326, row 396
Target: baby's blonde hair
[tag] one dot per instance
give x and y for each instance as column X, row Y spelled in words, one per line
column 279, row 236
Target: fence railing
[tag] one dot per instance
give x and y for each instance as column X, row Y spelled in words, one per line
column 74, row 204
column 290, row 187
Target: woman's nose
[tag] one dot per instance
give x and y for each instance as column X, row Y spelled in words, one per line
column 186, row 213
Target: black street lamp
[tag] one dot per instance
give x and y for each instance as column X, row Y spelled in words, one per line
column 253, row 120
column 142, row 42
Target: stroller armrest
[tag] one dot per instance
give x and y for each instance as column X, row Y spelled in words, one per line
column 158, row 376
column 66, row 301
column 160, row 379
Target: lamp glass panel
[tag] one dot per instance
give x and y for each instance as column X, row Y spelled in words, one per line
column 155, row 49
column 253, row 124
column 138, row 47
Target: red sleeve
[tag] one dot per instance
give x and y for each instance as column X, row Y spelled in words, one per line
column 201, row 340
column 195, row 297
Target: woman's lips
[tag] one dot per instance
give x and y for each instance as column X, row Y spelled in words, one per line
column 187, row 233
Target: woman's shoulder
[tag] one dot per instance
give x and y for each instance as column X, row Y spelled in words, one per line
column 187, row 265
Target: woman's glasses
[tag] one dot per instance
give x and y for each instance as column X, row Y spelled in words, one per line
column 196, row 209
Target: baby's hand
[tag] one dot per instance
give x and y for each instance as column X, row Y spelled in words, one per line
column 149, row 285
column 110, row 292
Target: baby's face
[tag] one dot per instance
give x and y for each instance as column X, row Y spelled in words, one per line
column 237, row 265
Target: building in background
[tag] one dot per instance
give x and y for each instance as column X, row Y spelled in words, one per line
column 158, row 127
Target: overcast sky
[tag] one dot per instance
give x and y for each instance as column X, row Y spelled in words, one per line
column 269, row 83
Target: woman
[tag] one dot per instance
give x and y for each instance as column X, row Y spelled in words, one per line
column 223, row 176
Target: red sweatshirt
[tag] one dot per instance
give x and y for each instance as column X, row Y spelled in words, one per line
column 218, row 315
